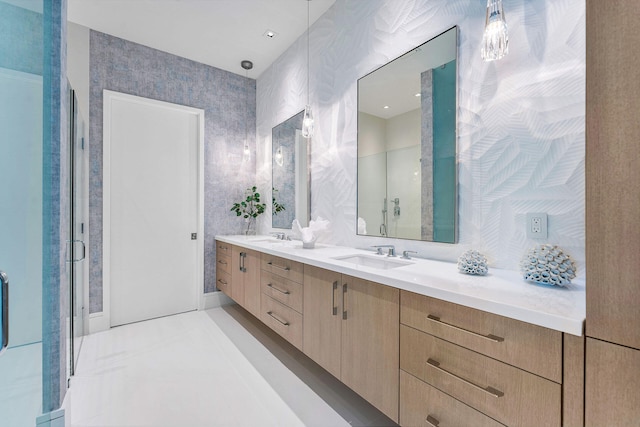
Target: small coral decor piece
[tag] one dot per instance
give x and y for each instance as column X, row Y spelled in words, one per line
column 548, row 265
column 473, row 262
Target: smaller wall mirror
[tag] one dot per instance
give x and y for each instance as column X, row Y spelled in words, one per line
column 407, row 167
column 290, row 174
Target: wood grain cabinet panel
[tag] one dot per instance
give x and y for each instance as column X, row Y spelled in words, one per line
column 223, row 262
column 530, row 347
column 370, row 342
column 223, row 282
column 351, row 330
column 237, row 275
column 251, row 282
column 284, row 290
column 283, row 320
column 283, row 267
column 322, row 337
column 505, row 393
column 425, row 406
column 612, row 380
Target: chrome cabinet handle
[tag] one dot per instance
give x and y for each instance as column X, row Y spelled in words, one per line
column 334, row 307
column 270, row 313
column 242, row 257
column 489, row 337
column 432, row 421
column 222, row 282
column 224, row 248
column 285, row 268
column 279, row 290
column 489, row 390
column 344, row 306
column 4, row 282
column 222, row 262
column 84, row 250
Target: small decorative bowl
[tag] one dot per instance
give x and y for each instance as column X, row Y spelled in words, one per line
column 473, row 262
column 547, row 265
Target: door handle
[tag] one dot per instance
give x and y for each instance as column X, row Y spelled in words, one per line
column 4, row 283
column 242, row 255
column 84, row 250
column 334, row 308
column 344, row 306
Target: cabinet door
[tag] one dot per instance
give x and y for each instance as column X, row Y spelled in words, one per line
column 611, row 385
column 237, row 275
column 251, row 282
column 371, row 343
column 322, row 326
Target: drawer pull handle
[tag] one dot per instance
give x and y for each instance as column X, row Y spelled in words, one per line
column 223, row 262
column 222, row 282
column 489, row 390
column 270, row 313
column 279, row 290
column 432, row 421
column 224, row 248
column 281, row 267
column 489, row 337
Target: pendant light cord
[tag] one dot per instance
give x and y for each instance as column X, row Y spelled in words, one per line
column 308, row 50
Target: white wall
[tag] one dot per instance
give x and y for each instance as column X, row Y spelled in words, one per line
column 78, row 65
column 520, row 120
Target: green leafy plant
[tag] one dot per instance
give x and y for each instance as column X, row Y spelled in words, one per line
column 277, row 207
column 250, row 207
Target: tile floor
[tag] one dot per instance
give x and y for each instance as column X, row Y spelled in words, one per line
column 219, row 367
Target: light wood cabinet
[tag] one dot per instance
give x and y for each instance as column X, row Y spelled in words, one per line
column 322, row 336
column 283, row 320
column 351, row 330
column 423, row 405
column 613, row 172
column 612, row 385
column 238, row 275
column 530, row 347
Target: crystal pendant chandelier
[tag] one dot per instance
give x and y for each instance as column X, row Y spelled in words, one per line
column 495, row 41
column 307, row 120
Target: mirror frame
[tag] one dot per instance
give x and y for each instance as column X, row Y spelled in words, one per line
column 456, row 213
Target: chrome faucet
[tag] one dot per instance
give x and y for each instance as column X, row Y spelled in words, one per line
column 278, row 235
column 405, row 254
column 392, row 250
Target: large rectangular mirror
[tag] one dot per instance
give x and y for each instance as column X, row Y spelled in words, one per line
column 407, row 168
column 290, row 174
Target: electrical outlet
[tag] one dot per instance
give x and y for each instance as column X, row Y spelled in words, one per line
column 537, row 225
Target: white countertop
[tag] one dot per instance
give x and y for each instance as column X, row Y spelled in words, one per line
column 501, row 292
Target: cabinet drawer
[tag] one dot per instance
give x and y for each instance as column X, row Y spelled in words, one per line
column 282, row 319
column 283, row 267
column 423, row 405
column 530, row 347
column 507, row 394
column 223, row 282
column 223, row 248
column 223, row 262
column 283, row 290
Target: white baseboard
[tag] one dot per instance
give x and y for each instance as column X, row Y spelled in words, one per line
column 99, row 322
column 215, row 299
column 51, row 419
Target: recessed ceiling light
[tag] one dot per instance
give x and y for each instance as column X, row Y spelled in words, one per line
column 270, row 34
column 386, row 107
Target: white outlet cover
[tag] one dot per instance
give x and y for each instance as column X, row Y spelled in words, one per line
column 531, row 222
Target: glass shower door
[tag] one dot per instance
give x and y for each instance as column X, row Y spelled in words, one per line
column 21, row 213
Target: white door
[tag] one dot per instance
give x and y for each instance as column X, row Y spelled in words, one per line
column 152, row 202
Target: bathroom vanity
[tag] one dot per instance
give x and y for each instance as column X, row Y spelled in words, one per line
column 418, row 340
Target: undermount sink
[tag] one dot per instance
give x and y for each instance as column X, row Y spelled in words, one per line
column 382, row 263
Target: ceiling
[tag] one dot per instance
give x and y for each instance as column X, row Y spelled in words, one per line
column 220, row 33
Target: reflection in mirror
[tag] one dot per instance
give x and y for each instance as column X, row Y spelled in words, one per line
column 290, row 173
column 407, row 175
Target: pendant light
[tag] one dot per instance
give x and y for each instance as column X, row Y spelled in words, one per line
column 307, row 120
column 495, row 41
column 246, row 151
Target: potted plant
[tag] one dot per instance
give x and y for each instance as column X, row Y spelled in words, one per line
column 249, row 208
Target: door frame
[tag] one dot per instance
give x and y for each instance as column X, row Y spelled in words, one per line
column 102, row 321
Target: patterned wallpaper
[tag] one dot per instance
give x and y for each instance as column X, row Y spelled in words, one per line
column 521, row 120
column 227, row 99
